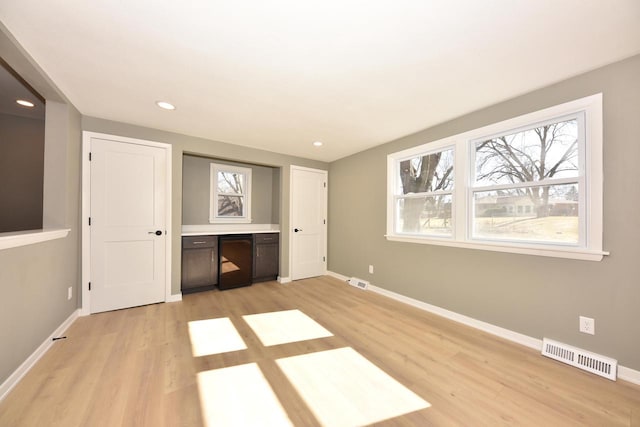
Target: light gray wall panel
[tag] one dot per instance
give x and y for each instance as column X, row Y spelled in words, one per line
column 536, row 296
column 184, row 144
column 276, row 188
column 34, row 278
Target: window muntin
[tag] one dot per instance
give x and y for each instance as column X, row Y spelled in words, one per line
column 230, row 194
column 424, row 190
column 564, row 178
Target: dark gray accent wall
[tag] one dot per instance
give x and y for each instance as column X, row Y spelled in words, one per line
column 21, row 172
column 34, row 278
column 196, row 190
column 533, row 295
column 276, row 194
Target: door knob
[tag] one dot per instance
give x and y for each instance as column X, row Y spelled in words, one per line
column 157, row 232
column 297, row 229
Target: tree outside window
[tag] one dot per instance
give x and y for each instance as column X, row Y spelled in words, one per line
column 538, row 168
column 426, row 187
column 230, row 195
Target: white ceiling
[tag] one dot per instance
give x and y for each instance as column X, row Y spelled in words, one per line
column 281, row 74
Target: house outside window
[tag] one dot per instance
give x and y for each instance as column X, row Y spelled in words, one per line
column 230, row 194
column 530, row 185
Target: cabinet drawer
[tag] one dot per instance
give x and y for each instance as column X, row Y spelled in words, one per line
column 266, row 238
column 189, row 242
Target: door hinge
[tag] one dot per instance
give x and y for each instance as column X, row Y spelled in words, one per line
column 89, row 220
column 89, row 285
column 325, row 184
column 324, row 259
column 324, row 221
column 89, row 155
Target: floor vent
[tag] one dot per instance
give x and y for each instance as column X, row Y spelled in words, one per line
column 358, row 283
column 585, row 360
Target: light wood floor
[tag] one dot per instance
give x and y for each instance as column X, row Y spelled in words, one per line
column 135, row 368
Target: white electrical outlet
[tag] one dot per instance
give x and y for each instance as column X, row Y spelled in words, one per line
column 587, row 325
column 69, row 292
column 370, row 269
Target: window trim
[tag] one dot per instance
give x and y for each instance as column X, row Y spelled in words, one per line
column 591, row 249
column 214, row 218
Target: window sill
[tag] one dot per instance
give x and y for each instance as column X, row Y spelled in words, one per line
column 29, row 237
column 559, row 252
column 229, row 221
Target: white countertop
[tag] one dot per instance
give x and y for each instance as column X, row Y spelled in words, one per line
column 221, row 229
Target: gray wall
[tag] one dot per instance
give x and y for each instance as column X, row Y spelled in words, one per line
column 536, row 296
column 276, row 195
column 34, row 278
column 21, row 172
column 196, row 183
column 184, row 144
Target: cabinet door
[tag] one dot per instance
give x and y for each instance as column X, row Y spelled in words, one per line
column 266, row 261
column 199, row 267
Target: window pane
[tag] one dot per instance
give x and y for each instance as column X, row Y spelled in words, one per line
column 230, row 206
column 230, row 182
column 424, row 215
column 428, row 173
column 542, row 214
column 549, row 151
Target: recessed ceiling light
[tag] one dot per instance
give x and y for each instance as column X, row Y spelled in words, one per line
column 25, row 103
column 165, row 105
column 317, row 143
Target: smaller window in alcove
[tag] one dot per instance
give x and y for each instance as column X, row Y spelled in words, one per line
column 230, row 194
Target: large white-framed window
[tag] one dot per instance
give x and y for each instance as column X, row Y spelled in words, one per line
column 230, row 194
column 531, row 185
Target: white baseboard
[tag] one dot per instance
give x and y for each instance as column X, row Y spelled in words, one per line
column 337, row 276
column 26, row 366
column 174, row 297
column 283, row 280
column 465, row 320
column 626, row 374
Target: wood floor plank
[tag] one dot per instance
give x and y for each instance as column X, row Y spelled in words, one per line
column 135, row 367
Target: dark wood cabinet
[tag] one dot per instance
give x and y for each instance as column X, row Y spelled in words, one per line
column 229, row 261
column 199, row 263
column 266, row 257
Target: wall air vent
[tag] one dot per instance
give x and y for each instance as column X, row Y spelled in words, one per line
column 585, row 360
column 358, row 283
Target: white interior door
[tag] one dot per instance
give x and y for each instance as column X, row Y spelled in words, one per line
column 128, row 233
column 308, row 222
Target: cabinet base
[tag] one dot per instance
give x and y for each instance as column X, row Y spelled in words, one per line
column 265, row 279
column 198, row 289
column 233, row 286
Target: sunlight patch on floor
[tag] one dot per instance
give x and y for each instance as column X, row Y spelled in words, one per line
column 214, row 336
column 342, row 388
column 239, row 396
column 283, row 327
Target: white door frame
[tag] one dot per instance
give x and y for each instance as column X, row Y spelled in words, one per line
column 326, row 203
column 86, row 209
